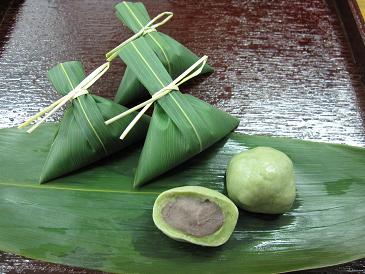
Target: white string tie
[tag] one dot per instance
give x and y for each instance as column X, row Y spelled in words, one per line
column 174, row 85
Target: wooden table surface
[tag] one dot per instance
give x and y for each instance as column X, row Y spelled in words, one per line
column 283, row 67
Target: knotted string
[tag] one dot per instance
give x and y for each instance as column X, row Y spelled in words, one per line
column 174, row 85
column 146, row 29
column 81, row 88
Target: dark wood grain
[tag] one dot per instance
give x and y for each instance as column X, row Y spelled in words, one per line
column 285, row 68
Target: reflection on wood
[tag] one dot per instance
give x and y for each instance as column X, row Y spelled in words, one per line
column 9, row 9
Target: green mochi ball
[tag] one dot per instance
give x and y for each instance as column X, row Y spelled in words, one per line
column 261, row 180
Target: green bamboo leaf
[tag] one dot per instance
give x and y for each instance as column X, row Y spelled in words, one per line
column 175, row 57
column 181, row 126
column 83, row 138
column 95, row 219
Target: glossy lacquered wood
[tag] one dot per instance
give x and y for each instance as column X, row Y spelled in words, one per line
column 285, row 68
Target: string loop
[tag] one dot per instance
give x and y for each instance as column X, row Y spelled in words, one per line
column 150, row 27
column 191, row 72
column 79, row 90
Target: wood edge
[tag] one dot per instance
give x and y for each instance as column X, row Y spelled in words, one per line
column 353, row 26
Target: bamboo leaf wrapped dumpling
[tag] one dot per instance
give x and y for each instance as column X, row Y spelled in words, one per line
column 181, row 125
column 174, row 56
column 82, row 137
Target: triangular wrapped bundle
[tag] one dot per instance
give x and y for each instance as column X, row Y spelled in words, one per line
column 174, row 56
column 181, row 125
column 82, row 137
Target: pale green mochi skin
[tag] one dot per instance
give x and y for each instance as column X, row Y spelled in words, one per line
column 261, row 180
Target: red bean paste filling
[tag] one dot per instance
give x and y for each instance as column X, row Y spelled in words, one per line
column 193, row 216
